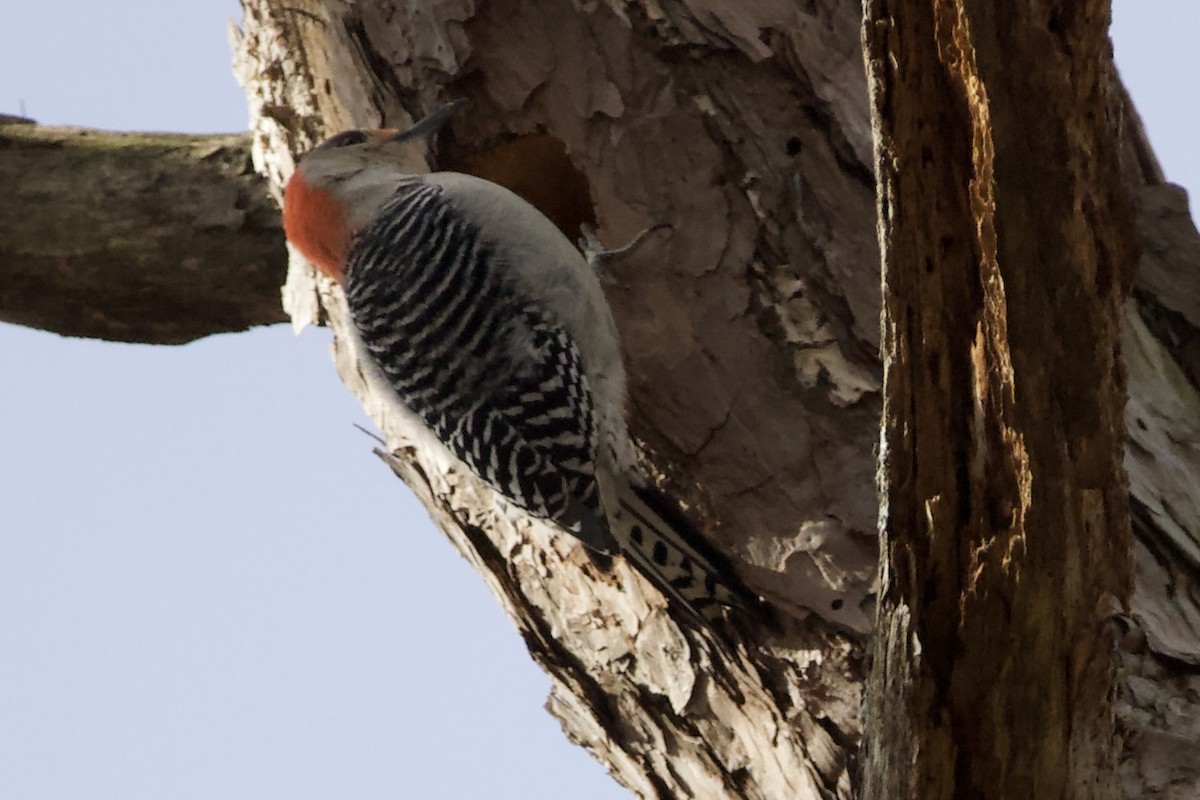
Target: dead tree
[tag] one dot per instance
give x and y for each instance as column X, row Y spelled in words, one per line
column 1009, row 247
column 751, row 336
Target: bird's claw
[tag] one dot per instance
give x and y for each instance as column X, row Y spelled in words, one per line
column 595, row 252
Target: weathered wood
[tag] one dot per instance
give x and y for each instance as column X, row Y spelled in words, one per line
column 755, row 389
column 751, row 337
column 1009, row 246
column 750, row 333
column 159, row 238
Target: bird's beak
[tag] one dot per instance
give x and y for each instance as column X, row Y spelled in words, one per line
column 430, row 125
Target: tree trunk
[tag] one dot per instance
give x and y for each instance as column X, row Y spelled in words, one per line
column 1008, row 250
column 750, row 335
column 754, row 387
column 751, row 339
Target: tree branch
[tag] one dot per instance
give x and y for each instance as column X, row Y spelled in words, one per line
column 158, row 238
column 750, row 336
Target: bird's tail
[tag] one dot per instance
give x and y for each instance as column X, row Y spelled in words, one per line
column 668, row 549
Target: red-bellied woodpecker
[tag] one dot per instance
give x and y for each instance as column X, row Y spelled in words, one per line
column 490, row 327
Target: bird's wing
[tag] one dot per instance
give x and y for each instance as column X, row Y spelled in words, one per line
column 496, row 380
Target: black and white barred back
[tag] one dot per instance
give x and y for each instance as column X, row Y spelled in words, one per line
column 495, row 379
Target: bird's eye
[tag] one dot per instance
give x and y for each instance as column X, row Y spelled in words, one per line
column 344, row 139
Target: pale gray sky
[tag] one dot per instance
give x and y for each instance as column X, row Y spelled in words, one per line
column 209, row 588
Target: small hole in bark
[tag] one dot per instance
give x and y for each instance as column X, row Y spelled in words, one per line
column 1141, row 423
column 945, row 243
column 1055, row 23
column 836, row 605
column 793, row 146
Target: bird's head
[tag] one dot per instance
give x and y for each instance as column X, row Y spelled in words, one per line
column 341, row 184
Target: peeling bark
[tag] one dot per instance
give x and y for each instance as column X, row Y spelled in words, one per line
column 761, row 418
column 135, row 237
column 751, row 338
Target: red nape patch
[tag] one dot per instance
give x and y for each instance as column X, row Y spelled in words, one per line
column 315, row 225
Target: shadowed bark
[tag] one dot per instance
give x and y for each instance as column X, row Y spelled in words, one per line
column 1009, row 248
column 135, row 237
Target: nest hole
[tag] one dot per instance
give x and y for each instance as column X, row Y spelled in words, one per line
column 536, row 166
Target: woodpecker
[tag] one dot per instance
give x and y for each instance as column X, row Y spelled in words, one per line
column 491, row 328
